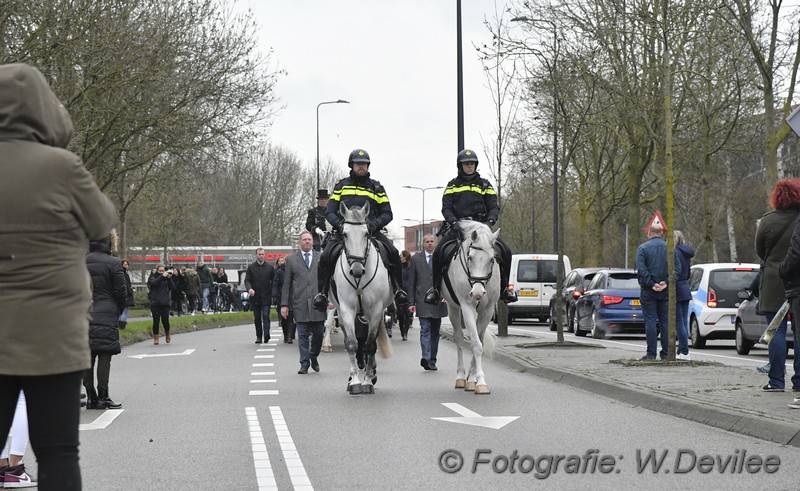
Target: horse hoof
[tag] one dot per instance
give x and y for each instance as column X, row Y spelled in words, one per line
column 482, row 389
column 470, row 387
column 327, row 349
column 355, row 389
column 368, row 389
column 374, row 380
column 461, row 383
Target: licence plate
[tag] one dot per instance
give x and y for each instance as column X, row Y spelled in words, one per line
column 529, row 293
column 636, row 303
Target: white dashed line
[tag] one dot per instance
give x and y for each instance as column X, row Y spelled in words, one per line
column 264, row 475
column 263, row 364
column 263, row 392
column 265, row 349
column 297, row 473
column 264, row 381
column 264, row 356
column 256, row 374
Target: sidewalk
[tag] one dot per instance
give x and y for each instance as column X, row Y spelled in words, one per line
column 723, row 396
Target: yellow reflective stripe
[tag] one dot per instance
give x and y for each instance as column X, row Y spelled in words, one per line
column 359, row 191
column 468, row 188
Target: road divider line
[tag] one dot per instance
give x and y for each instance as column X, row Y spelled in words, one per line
column 263, row 365
column 264, row 356
column 265, row 349
column 256, row 374
column 297, row 472
column 265, row 477
column 263, row 392
column 264, row 381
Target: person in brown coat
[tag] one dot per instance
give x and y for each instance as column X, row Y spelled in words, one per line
column 51, row 208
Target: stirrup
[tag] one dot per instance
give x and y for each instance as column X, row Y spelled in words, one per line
column 433, row 297
column 400, row 297
column 321, row 302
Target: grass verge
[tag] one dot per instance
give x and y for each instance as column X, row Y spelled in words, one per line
column 141, row 330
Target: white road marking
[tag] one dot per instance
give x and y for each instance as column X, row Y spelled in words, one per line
column 185, row 353
column 102, row 421
column 264, row 356
column 472, row 418
column 263, row 364
column 264, row 381
column 263, row 467
column 297, row 473
column 265, row 349
column 263, row 392
column 255, row 374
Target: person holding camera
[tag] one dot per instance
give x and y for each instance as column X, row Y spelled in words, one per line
column 160, row 285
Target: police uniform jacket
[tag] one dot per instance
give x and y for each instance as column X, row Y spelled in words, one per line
column 470, row 196
column 354, row 191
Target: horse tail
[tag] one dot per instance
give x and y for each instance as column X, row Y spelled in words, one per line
column 384, row 346
column 489, row 343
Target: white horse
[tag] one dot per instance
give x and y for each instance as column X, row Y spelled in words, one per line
column 472, row 287
column 361, row 292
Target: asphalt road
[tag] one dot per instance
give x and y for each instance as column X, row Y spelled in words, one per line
column 190, row 421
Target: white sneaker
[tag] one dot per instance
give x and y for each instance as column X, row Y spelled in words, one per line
column 683, row 357
column 795, row 404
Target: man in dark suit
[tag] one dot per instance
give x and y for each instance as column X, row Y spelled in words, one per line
column 299, row 288
column 258, row 281
column 430, row 316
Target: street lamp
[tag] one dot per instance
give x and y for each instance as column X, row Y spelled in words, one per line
column 423, row 202
column 340, row 101
column 555, row 125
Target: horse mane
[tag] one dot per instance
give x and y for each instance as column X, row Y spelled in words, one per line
column 484, row 233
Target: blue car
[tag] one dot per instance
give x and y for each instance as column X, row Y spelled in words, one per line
column 610, row 305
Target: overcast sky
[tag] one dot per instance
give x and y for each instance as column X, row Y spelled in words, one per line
column 395, row 61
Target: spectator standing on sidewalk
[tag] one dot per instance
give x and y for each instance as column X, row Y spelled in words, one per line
column 258, row 281
column 192, row 289
column 109, row 294
column 178, row 290
column 297, row 295
column 130, row 300
column 12, row 470
column 773, row 237
column 206, row 278
column 57, row 207
column 683, row 257
column 160, row 285
column 430, row 316
column 651, row 266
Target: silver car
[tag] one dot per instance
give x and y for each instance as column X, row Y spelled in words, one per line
column 751, row 324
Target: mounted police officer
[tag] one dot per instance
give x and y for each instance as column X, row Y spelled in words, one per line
column 355, row 190
column 469, row 196
column 315, row 223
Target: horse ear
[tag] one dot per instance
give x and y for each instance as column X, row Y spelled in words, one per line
column 366, row 209
column 495, row 235
column 343, row 208
column 474, row 235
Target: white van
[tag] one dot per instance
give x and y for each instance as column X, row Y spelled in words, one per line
column 534, row 278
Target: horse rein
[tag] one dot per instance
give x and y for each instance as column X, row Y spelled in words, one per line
column 473, row 280
column 351, row 259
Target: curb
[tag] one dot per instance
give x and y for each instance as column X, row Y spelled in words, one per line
column 743, row 424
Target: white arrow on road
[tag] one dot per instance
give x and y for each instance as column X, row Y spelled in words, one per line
column 185, row 352
column 474, row 419
column 102, row 421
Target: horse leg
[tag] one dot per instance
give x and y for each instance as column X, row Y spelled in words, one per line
column 477, row 363
column 351, row 343
column 326, row 339
column 370, row 376
column 455, row 320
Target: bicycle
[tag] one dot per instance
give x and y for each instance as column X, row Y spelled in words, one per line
column 217, row 300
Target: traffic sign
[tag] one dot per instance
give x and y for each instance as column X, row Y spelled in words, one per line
column 656, row 219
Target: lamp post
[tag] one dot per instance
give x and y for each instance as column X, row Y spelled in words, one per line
column 555, row 125
column 423, row 201
column 339, row 101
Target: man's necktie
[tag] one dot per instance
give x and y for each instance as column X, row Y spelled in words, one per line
column 308, row 260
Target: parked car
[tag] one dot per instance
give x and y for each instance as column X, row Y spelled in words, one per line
column 610, row 304
column 751, row 324
column 575, row 285
column 715, row 298
column 534, row 278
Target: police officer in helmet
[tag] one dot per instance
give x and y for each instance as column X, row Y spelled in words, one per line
column 469, row 196
column 355, row 190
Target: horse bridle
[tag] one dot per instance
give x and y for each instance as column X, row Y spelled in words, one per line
column 351, row 259
column 473, row 280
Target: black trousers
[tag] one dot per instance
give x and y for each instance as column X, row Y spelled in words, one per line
column 103, row 363
column 288, row 325
column 160, row 313
column 53, row 417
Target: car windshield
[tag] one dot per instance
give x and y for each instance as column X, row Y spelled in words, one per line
column 623, row 281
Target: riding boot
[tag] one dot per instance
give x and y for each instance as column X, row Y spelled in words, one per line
column 122, row 324
column 323, row 280
column 400, row 296
column 432, row 296
column 104, row 401
column 503, row 253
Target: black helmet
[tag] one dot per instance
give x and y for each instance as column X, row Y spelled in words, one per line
column 466, row 156
column 358, row 156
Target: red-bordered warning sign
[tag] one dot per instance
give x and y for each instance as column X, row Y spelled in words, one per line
column 656, row 219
